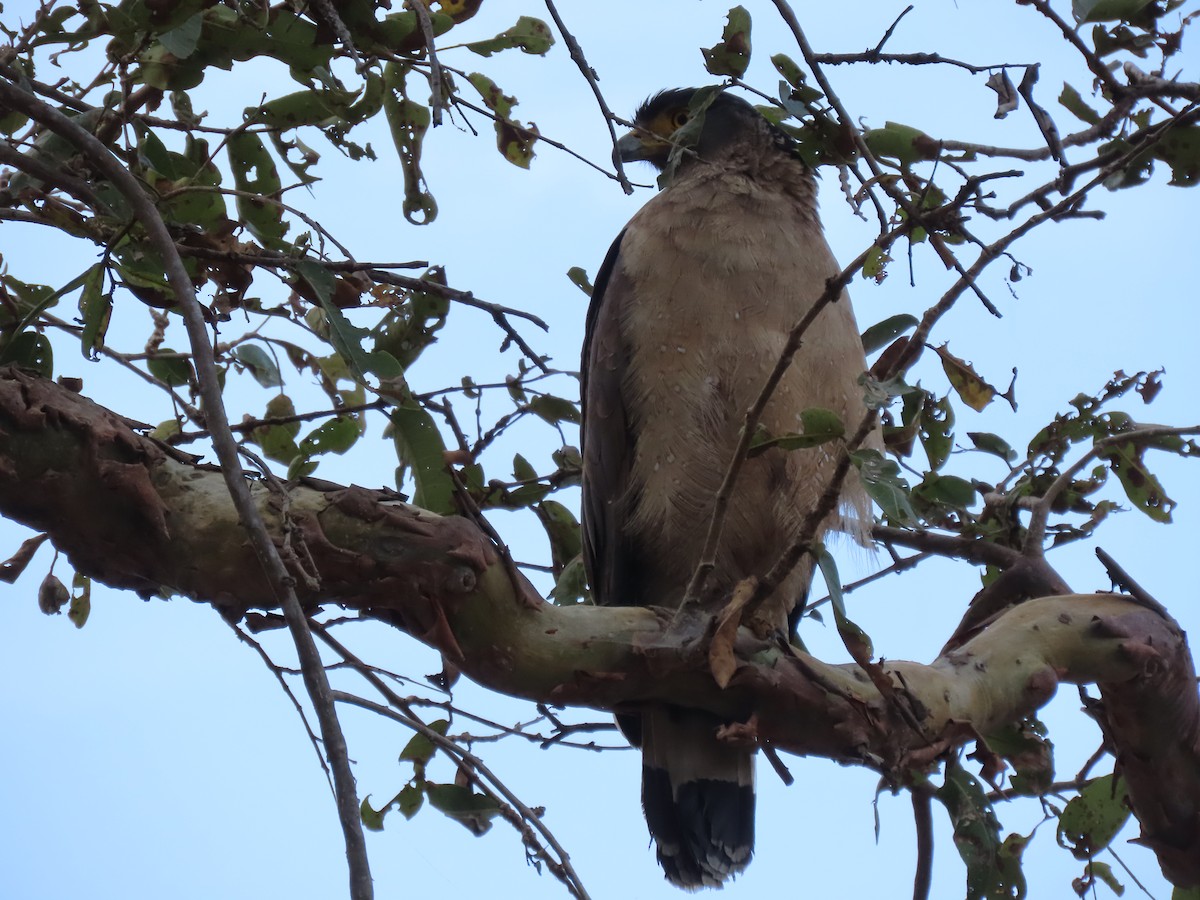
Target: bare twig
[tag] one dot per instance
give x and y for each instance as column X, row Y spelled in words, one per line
column 531, row 824
column 589, row 75
column 436, row 102
column 226, row 450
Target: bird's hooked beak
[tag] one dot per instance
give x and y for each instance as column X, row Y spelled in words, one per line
column 630, row 148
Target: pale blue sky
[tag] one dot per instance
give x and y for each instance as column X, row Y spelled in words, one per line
column 152, row 755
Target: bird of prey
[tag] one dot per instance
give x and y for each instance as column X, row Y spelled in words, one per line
column 689, row 314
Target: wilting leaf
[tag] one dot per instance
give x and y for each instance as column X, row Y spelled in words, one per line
column 408, row 122
column 513, row 139
column 81, row 600
column 1007, row 97
column 970, row 387
column 1075, row 104
column 732, row 55
column 52, row 595
column 1141, row 486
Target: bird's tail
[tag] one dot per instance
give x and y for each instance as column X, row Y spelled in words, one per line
column 698, row 795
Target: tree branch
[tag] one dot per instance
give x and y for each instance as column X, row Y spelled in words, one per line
column 158, row 522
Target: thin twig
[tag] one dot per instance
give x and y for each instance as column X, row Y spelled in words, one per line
column 589, row 75
column 716, row 524
column 561, row 868
column 436, row 101
column 227, row 454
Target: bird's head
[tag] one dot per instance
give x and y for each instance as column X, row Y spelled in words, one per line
column 704, row 122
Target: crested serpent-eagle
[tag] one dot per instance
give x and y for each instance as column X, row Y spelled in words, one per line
column 690, row 312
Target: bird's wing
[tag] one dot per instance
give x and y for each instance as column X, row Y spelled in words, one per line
column 606, row 438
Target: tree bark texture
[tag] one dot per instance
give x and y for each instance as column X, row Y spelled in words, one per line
column 133, row 513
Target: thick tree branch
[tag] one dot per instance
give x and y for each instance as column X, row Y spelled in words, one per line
column 135, row 514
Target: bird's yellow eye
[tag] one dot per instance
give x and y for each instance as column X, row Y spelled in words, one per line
column 679, row 119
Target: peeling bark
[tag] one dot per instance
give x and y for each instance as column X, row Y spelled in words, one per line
column 134, row 514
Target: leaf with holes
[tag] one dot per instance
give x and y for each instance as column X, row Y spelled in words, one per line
column 732, row 55
column 529, row 34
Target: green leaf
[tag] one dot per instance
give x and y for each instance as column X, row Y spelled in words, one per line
column 1093, row 818
column 946, row 490
column 181, row 41
column 1075, row 104
column 259, row 363
column 881, row 478
column 254, row 173
column 986, row 442
column 883, row 333
column 571, row 585
column 529, row 34
column 554, row 409
column 471, row 810
column 857, row 641
column 732, row 55
column 32, row 351
column 95, row 308
column 81, row 600
column 1180, row 149
column 409, row 800
column 562, row 530
column 408, row 122
column 419, row 750
column 820, row 427
column 902, row 143
column 1142, row 488
column 935, row 427
column 172, row 370
column 791, row 72
column 1107, row 10
column 579, row 278
column 420, row 447
column 372, row 819
column 346, row 338
column 335, row 436
column 514, row 140
column 522, row 470
column 993, row 866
